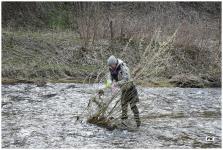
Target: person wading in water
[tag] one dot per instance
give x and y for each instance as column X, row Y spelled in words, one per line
column 120, row 76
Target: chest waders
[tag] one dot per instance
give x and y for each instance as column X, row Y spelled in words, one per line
column 129, row 95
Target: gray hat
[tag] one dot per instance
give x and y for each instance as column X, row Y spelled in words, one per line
column 112, row 60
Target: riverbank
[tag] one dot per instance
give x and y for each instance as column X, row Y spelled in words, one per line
column 6, row 81
column 61, row 57
column 160, row 83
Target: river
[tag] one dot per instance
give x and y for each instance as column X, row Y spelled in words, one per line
column 45, row 117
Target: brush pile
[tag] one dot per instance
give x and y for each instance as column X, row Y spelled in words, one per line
column 104, row 109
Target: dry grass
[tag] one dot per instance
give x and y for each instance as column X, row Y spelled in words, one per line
column 156, row 40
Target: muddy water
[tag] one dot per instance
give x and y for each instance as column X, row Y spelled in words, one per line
column 44, row 117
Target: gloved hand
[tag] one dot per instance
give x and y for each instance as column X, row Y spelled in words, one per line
column 108, row 83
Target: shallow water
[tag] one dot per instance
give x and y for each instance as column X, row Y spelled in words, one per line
column 44, row 117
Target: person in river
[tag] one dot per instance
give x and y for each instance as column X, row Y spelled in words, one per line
column 119, row 75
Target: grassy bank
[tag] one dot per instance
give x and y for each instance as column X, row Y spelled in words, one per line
column 7, row 81
column 30, row 57
column 163, row 43
column 34, row 55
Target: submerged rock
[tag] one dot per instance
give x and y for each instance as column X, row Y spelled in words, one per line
column 71, row 86
column 40, row 83
column 49, row 95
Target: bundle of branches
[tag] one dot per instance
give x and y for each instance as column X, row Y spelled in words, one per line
column 104, row 108
column 101, row 108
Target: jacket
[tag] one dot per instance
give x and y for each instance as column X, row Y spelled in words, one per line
column 120, row 74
